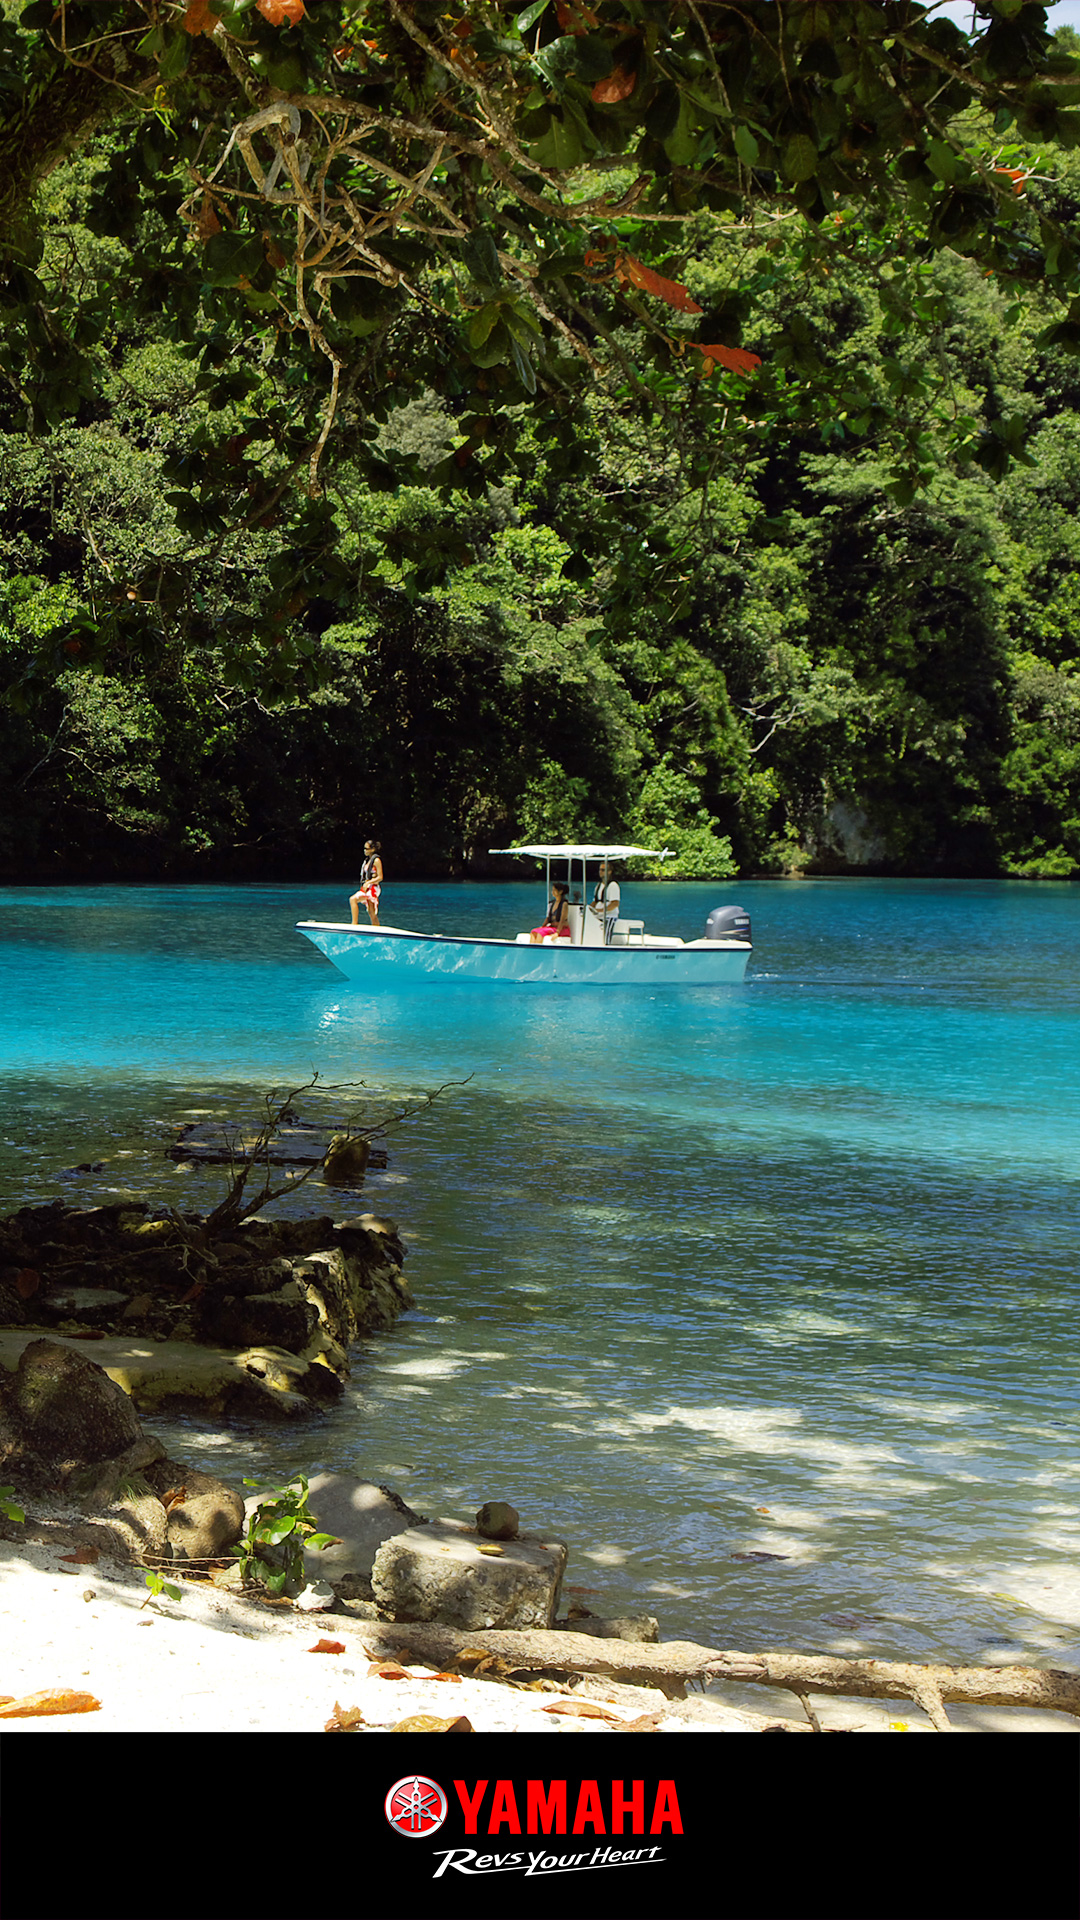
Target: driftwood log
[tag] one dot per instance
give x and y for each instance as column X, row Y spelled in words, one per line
column 671, row 1664
column 930, row 1687
column 668, row 1664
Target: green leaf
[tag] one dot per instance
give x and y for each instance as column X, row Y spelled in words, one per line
column 359, row 305
column 229, row 257
column 271, row 1531
column 38, row 18
column 747, row 147
column 521, row 323
column 530, row 16
column 800, row 159
column 481, row 323
column 592, row 57
column 941, row 160
column 681, row 144
column 481, row 257
column 524, row 367
column 815, row 22
column 176, row 56
column 560, row 148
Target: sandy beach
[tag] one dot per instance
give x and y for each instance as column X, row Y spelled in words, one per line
column 215, row 1662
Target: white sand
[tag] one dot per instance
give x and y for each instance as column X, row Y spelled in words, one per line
column 213, row 1663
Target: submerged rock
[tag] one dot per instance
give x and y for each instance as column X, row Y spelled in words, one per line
column 346, row 1161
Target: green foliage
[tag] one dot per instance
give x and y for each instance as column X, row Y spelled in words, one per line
column 670, row 810
column 159, row 1586
column 8, row 1507
column 271, row 1549
column 545, row 575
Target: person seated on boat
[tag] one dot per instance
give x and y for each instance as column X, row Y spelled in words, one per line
column 371, row 879
column 605, row 900
column 557, row 924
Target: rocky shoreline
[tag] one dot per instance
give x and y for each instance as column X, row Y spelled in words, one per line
column 252, row 1319
column 112, row 1312
column 116, row 1311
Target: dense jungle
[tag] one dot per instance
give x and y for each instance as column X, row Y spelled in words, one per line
column 809, row 603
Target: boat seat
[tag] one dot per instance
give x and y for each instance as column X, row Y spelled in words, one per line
column 626, row 930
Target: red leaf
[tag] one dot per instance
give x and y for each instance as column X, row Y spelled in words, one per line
column 207, row 223
column 199, row 19
column 671, row 291
column 386, row 1670
column 86, row 1333
column 28, row 1282
column 739, row 361
column 281, row 13
column 82, row 1556
column 618, row 86
column 328, row 1646
column 575, row 18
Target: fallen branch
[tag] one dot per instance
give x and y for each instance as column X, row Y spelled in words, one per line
column 930, row 1687
column 673, row 1664
column 235, row 1207
column 668, row 1665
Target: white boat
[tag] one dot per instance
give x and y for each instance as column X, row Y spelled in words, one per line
column 620, row 954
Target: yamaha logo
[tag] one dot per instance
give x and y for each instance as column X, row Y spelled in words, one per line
column 416, row 1806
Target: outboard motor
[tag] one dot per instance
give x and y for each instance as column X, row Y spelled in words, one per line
column 728, row 923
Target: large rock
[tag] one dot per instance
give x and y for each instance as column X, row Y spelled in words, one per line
column 363, row 1516
column 171, row 1376
column 207, row 1521
column 67, row 1429
column 314, row 1288
column 68, row 1408
column 445, row 1572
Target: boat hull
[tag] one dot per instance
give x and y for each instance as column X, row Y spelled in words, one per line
column 394, row 957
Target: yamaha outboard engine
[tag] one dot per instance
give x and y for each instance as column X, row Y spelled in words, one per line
column 728, row 923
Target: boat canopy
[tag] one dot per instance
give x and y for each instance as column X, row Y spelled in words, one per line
column 589, row 852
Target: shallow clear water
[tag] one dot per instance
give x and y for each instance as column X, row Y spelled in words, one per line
column 786, row 1268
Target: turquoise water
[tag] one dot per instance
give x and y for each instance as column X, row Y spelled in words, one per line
column 787, row 1268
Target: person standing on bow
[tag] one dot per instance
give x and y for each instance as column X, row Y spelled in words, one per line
column 605, row 900
column 371, row 879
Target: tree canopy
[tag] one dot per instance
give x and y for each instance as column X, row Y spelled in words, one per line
column 338, row 206
column 574, row 413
